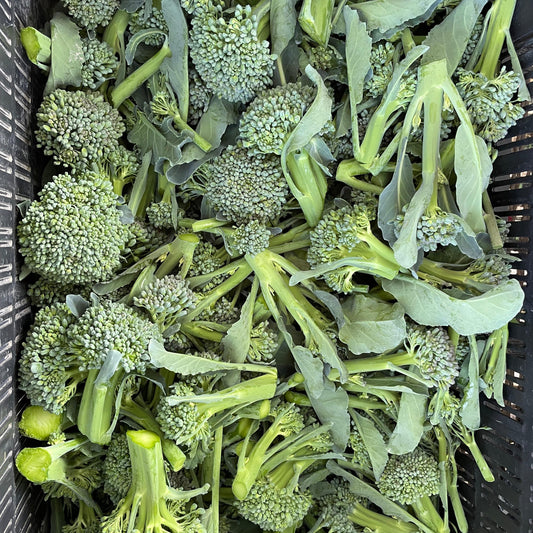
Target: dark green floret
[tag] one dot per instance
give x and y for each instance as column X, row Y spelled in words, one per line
column 245, row 188
column 263, row 343
column 116, row 469
column 250, row 238
column 99, row 65
column 73, row 233
column 91, row 13
column 154, row 19
column 160, row 215
column 228, row 55
column 199, row 97
column 77, row 128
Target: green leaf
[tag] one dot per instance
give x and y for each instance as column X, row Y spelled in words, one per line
column 77, row 304
column 386, row 17
column 473, row 167
column 358, row 48
column 137, row 39
column 190, row 365
column 469, row 412
column 371, row 326
column 282, row 24
column 470, row 315
column 67, row 54
column 176, row 67
column 410, row 425
column 37, row 46
column 523, row 91
column 448, row 40
column 374, row 444
column 315, row 19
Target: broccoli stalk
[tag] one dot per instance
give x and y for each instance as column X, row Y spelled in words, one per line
column 379, row 523
column 148, row 505
column 316, row 19
column 38, row 423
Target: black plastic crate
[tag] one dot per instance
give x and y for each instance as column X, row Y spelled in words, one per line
column 505, row 506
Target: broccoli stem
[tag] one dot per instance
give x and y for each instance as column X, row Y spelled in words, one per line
column 355, row 183
column 180, row 253
column 196, row 330
column 181, row 125
column 96, row 412
column 299, row 398
column 379, row 523
column 308, row 184
column 315, row 19
column 375, row 364
column 492, row 225
column 115, row 30
column 215, row 478
column 127, row 87
column 467, row 437
column 426, row 513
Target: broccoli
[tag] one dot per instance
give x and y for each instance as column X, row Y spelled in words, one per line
column 245, row 188
column 150, row 504
column 79, row 219
column 110, row 340
column 411, row 479
column 166, row 300
column 272, row 115
column 263, row 343
column 381, row 59
column 87, row 520
column 159, row 215
column 44, row 292
column 227, row 54
column 116, row 469
column 92, row 13
column 250, row 238
column 38, row 423
column 144, row 19
column 77, row 128
column 99, row 64
column 199, row 96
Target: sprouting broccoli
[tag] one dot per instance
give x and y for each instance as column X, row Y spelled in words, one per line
column 38, row 423
column 322, row 57
column 490, row 102
column 186, row 417
column 250, row 238
column 199, row 96
column 99, row 63
column 44, row 292
column 381, row 60
column 116, row 469
column 150, row 504
column 77, row 128
column 46, row 374
column 166, row 300
column 205, row 259
column 227, row 53
column 245, row 188
column 144, row 19
column 87, row 520
column 110, row 340
column 66, row 469
column 272, row 115
column 343, row 239
column 263, row 343
column 159, row 215
column 78, row 218
column 472, row 42
column 91, row 13
column 359, row 453
column 412, row 479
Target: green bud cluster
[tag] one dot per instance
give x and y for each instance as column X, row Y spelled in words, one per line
column 381, row 58
column 250, row 238
column 91, row 13
column 117, row 468
column 199, row 96
column 44, row 292
column 263, row 343
column 155, row 20
column 159, row 215
column 99, row 65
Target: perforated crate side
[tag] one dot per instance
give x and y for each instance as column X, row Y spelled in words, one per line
column 21, row 506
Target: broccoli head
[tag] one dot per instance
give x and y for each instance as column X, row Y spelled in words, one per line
column 381, row 59
column 44, row 291
column 199, row 96
column 73, row 233
column 250, row 238
column 263, row 343
column 77, row 128
column 99, row 64
column 91, row 13
column 245, row 188
column 228, row 55
column 153, row 19
column 116, row 469
column 160, row 215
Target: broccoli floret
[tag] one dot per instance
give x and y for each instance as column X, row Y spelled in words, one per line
column 490, row 102
column 44, row 292
column 160, row 215
column 263, row 343
column 99, row 64
column 205, row 259
column 147, row 20
column 322, row 57
column 78, row 219
column 199, row 96
column 38, row 423
column 381, row 58
column 116, row 468
column 344, row 235
column 228, row 55
column 166, row 300
column 475, row 36
column 223, row 311
column 87, row 521
column 91, row 13
column 77, row 128
column 150, row 503
column 250, row 238
column 245, row 188
column 411, row 479
column 272, row 115
column 360, row 454
column 46, row 374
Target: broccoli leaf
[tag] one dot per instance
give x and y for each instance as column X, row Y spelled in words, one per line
column 430, row 306
column 371, row 326
column 67, row 54
column 410, row 425
column 282, row 24
column 374, row 444
column 37, row 46
column 470, row 413
column 448, row 40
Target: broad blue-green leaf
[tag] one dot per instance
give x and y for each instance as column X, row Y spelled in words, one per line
column 358, row 47
column 190, row 365
column 523, row 91
column 470, row 413
column 410, row 425
column 473, row 167
column 466, row 239
column 371, row 326
column 176, row 67
column 136, row 40
column 374, row 444
column 430, row 306
column 67, row 54
column 77, row 304
column 386, row 17
column 37, row 46
column 282, row 24
column 448, row 40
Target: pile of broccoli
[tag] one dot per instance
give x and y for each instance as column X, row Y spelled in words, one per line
column 269, row 283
